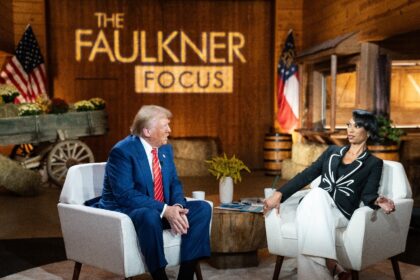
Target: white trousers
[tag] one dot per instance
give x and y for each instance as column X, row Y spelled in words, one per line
column 317, row 218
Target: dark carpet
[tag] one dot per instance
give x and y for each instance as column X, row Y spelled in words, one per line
column 21, row 254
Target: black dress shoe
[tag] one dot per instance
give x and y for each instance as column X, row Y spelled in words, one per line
column 159, row 274
column 186, row 270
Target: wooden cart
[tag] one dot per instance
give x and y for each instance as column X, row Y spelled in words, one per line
column 55, row 138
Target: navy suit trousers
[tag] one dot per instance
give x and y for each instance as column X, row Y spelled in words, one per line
column 149, row 227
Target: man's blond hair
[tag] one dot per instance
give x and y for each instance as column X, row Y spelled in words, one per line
column 146, row 116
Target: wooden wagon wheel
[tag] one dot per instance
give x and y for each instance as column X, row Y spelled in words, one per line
column 64, row 155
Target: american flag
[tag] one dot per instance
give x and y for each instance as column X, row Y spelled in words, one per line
column 288, row 87
column 26, row 69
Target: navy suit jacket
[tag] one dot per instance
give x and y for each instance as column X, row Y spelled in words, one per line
column 128, row 182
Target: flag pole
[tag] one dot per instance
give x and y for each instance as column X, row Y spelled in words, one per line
column 275, row 128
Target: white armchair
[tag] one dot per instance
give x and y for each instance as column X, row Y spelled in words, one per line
column 370, row 237
column 102, row 238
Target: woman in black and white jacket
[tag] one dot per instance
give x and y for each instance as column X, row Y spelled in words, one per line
column 349, row 175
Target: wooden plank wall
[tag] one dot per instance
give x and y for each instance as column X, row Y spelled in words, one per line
column 378, row 19
column 29, row 12
column 288, row 16
column 320, row 20
column 312, row 21
column 405, row 100
column 15, row 15
column 405, row 97
column 6, row 33
column 240, row 119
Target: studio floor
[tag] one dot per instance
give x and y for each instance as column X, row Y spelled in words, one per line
column 37, row 218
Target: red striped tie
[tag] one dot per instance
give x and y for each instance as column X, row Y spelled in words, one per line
column 157, row 175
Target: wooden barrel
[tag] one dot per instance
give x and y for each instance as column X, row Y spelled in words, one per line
column 277, row 147
column 385, row 152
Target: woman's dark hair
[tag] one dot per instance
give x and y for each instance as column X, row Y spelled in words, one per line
column 367, row 120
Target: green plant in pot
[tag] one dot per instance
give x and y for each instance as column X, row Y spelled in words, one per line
column 388, row 133
column 8, row 93
column 387, row 145
column 228, row 170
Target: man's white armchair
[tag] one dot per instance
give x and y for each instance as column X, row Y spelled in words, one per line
column 102, row 238
column 370, row 237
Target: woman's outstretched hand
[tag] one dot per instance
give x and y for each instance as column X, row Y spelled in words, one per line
column 272, row 202
column 386, row 204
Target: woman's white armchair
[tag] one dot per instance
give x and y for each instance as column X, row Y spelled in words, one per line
column 371, row 235
column 102, row 238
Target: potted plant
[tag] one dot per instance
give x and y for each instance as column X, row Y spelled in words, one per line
column 387, row 145
column 83, row 106
column 388, row 133
column 59, row 106
column 98, row 103
column 29, row 109
column 228, row 170
column 8, row 95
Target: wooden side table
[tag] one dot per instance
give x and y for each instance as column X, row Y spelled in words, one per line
column 235, row 238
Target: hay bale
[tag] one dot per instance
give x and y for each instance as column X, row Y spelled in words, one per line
column 306, row 153
column 289, row 169
column 17, row 179
column 190, row 167
column 190, row 154
column 318, row 149
column 194, row 148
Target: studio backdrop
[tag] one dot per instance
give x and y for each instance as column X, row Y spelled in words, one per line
column 209, row 62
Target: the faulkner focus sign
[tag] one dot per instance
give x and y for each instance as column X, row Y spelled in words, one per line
column 210, row 62
column 168, row 68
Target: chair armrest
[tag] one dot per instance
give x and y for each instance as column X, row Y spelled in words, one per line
column 377, row 235
column 93, row 235
column 287, row 212
column 272, row 230
column 277, row 243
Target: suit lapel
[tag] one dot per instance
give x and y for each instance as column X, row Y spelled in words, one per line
column 336, row 158
column 144, row 166
column 334, row 161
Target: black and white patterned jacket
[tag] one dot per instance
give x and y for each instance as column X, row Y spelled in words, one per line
column 359, row 183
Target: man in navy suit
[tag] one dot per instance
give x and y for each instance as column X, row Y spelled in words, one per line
column 130, row 188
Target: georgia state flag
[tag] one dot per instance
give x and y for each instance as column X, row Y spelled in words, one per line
column 288, row 87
